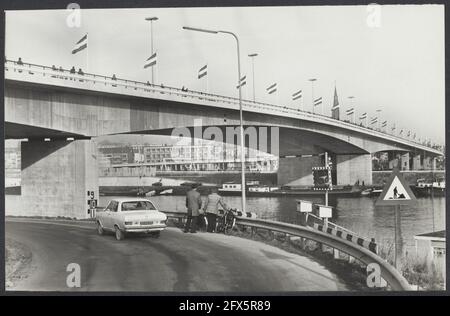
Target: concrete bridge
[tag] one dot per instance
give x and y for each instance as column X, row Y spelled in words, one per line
column 48, row 107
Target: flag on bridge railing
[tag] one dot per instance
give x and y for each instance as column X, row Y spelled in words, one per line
column 350, row 111
column 297, row 95
column 151, row 61
column 409, row 133
column 272, row 88
column 242, row 82
column 401, row 131
column 203, row 71
column 373, row 120
column 393, row 127
column 318, row 101
column 81, row 44
column 384, row 124
column 363, row 116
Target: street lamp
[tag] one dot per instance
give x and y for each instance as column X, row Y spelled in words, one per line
column 312, row 93
column 151, row 19
column 240, row 104
column 252, row 56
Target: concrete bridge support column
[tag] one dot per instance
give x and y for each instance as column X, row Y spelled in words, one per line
column 297, row 171
column 416, row 165
column 351, row 168
column 394, row 160
column 404, row 161
column 428, row 163
column 56, row 177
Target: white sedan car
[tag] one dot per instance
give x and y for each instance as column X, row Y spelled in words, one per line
column 130, row 215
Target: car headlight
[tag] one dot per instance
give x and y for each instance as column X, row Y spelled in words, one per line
column 128, row 223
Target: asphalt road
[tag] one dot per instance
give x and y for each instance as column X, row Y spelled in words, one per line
column 175, row 262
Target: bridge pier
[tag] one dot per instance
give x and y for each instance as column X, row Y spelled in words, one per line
column 404, row 161
column 416, row 163
column 56, row 176
column 429, row 163
column 351, row 168
column 394, row 160
column 297, row 170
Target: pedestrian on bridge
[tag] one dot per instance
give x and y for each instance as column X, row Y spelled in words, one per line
column 211, row 208
column 193, row 205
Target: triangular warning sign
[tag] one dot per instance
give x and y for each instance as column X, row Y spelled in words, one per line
column 396, row 191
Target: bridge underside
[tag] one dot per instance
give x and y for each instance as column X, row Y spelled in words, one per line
column 298, row 150
column 22, row 131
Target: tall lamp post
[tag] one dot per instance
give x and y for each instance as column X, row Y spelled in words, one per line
column 151, row 19
column 312, row 92
column 252, row 56
column 240, row 104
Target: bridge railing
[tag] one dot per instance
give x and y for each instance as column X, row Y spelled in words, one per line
column 65, row 74
column 393, row 277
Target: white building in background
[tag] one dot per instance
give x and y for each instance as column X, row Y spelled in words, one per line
column 203, row 156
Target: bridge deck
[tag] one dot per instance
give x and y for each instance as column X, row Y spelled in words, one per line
column 44, row 75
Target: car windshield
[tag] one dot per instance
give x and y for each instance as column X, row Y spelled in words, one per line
column 138, row 206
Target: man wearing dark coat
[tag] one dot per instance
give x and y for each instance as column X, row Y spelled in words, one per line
column 193, row 205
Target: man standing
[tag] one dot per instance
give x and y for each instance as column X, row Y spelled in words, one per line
column 193, row 204
column 212, row 208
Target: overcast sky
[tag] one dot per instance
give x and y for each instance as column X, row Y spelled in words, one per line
column 397, row 67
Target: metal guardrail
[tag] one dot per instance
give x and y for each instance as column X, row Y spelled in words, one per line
column 388, row 272
column 248, row 105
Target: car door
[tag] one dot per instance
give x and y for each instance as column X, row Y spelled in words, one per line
column 107, row 221
column 114, row 214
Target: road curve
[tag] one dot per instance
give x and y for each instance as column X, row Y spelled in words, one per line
column 176, row 262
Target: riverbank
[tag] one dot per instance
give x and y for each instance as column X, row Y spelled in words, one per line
column 379, row 178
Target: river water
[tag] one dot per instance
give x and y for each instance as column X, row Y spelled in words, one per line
column 360, row 215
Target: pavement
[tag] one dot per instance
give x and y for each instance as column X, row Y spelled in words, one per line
column 176, row 262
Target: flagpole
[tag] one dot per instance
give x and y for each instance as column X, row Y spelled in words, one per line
column 87, row 52
column 312, row 92
column 151, row 19
column 278, row 96
column 207, row 80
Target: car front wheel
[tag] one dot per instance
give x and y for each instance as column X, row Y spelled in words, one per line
column 100, row 230
column 119, row 234
column 155, row 234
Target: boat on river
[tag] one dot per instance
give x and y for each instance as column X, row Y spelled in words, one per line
column 430, row 188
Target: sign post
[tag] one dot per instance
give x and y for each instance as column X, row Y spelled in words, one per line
column 395, row 193
column 92, row 203
column 322, row 180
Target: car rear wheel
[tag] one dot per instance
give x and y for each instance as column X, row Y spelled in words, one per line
column 119, row 234
column 100, row 229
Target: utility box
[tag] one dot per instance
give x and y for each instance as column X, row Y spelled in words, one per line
column 325, row 211
column 304, row 206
